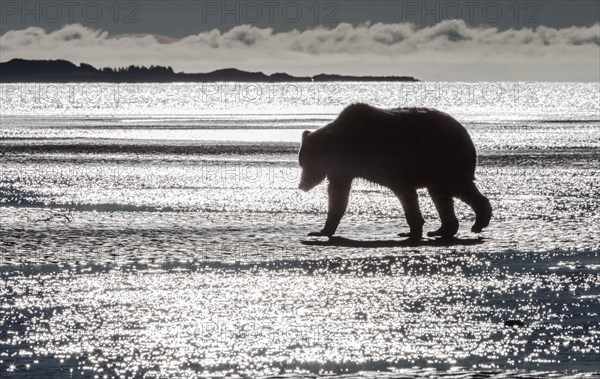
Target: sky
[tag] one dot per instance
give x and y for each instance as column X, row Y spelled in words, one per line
column 467, row 40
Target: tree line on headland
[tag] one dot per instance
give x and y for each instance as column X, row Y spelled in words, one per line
column 62, row 71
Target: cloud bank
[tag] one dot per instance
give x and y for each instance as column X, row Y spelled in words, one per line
column 450, row 50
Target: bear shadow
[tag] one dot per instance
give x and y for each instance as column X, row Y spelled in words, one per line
column 432, row 242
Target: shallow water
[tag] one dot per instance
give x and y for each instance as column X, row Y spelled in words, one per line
column 163, row 236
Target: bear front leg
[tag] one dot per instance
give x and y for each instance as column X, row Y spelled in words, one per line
column 445, row 207
column 338, row 193
column 410, row 204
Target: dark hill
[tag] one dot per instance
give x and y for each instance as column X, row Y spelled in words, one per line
column 61, row 71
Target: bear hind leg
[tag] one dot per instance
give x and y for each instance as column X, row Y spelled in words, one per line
column 481, row 205
column 444, row 204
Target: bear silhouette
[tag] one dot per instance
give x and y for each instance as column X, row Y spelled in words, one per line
column 403, row 149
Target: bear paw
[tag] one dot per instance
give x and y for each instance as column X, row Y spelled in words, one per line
column 320, row 234
column 443, row 232
column 411, row 235
column 476, row 228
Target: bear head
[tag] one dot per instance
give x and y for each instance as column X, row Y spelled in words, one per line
column 310, row 160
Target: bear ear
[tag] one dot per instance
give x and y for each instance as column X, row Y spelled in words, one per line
column 305, row 134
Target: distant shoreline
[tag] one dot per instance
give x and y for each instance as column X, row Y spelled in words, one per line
column 62, row 71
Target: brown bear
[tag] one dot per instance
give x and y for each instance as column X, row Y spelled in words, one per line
column 403, row 149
